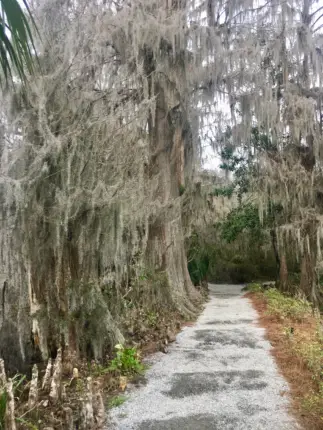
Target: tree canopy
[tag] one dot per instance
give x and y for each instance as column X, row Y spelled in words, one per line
column 101, row 154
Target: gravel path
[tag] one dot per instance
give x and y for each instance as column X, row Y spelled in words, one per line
column 218, row 375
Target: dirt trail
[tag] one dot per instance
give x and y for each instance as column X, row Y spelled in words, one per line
column 219, row 374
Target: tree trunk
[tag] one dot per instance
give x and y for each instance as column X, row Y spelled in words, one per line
column 283, row 274
column 165, row 251
column 274, row 243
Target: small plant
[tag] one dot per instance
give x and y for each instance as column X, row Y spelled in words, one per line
column 181, row 189
column 17, row 382
column 145, row 274
column 126, row 361
column 152, row 318
column 116, row 401
column 80, row 386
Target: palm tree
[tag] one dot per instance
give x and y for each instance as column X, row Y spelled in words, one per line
column 16, row 40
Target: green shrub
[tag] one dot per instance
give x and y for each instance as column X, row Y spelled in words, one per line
column 224, row 191
column 253, row 288
column 283, row 306
column 126, row 361
column 241, row 219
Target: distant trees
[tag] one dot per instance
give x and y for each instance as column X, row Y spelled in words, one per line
column 273, row 76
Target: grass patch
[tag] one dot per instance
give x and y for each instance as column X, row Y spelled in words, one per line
column 295, row 333
column 312, row 404
column 281, row 306
column 116, row 401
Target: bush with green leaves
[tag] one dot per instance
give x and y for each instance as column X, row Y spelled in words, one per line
column 240, row 219
column 126, row 361
column 253, row 288
column 223, row 191
column 283, row 306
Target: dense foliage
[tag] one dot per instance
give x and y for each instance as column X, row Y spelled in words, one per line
column 240, row 220
column 101, row 156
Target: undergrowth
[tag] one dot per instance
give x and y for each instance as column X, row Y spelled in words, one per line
column 146, row 327
column 310, row 348
column 297, row 333
column 116, row 401
column 282, row 306
column 17, row 383
column 253, row 288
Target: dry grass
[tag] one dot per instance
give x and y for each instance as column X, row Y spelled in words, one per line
column 298, row 350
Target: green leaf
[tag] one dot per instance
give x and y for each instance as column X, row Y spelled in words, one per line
column 16, row 40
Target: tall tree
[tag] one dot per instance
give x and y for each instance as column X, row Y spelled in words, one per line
column 99, row 148
column 106, row 147
column 272, row 78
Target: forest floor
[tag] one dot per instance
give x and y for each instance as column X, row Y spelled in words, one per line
column 296, row 335
column 218, row 374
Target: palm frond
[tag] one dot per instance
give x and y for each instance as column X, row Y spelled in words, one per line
column 16, row 40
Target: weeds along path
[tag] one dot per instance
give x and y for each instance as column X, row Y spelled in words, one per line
column 219, row 374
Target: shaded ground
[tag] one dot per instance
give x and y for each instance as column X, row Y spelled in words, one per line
column 219, row 374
